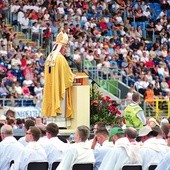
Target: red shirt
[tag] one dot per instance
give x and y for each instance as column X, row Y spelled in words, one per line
column 103, row 26
column 149, row 64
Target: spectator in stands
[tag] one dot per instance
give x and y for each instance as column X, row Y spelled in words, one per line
column 149, row 94
column 18, row 89
column 77, row 59
column 15, row 62
column 8, row 149
column 3, row 91
column 24, row 21
column 78, row 152
column 38, row 90
column 46, row 35
column 35, row 31
column 26, row 91
column 164, row 86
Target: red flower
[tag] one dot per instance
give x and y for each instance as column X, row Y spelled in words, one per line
column 108, row 98
column 118, row 112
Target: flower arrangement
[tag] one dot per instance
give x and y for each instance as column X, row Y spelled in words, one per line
column 103, row 109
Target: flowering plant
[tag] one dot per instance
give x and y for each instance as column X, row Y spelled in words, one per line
column 103, row 109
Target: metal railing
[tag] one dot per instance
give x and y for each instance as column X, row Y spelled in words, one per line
column 102, row 78
column 18, row 102
column 157, row 108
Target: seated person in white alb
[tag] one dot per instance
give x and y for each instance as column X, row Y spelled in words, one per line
column 53, row 146
column 34, row 152
column 79, row 152
column 122, row 153
column 27, row 125
column 153, row 148
column 10, row 149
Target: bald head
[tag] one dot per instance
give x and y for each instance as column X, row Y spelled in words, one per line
column 6, row 131
column 131, row 133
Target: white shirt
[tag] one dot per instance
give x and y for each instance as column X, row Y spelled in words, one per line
column 24, row 23
column 160, row 70
column 23, row 141
column 152, row 151
column 90, row 57
column 77, row 153
column 76, row 56
column 61, row 10
column 18, row 89
column 20, row 16
column 36, row 29
column 10, row 149
column 59, row 144
column 15, row 62
column 122, row 153
column 38, row 91
column 53, row 154
column 33, row 152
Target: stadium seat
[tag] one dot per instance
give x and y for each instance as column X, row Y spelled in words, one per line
column 55, row 165
column 37, row 165
column 152, row 167
column 132, row 167
column 87, row 166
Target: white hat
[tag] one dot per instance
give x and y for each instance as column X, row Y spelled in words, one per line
column 164, row 121
column 61, row 40
column 145, row 131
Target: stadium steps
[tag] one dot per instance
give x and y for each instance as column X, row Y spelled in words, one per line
column 21, row 36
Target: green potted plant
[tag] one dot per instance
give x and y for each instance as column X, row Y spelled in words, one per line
column 103, row 109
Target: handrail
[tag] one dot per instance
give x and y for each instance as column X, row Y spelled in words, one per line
column 119, row 91
column 18, row 102
column 98, row 77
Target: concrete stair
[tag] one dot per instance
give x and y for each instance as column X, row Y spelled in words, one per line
column 21, row 36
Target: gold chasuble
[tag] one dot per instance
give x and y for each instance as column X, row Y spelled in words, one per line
column 58, row 81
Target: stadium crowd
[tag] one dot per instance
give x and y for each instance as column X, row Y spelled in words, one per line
column 132, row 36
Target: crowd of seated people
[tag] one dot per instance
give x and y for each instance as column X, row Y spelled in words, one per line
column 41, row 142
column 132, row 36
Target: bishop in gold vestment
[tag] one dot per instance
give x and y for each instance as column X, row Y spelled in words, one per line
column 58, row 81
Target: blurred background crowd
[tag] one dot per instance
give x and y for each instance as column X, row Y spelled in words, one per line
column 131, row 36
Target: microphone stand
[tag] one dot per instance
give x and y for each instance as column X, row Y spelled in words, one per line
column 82, row 70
